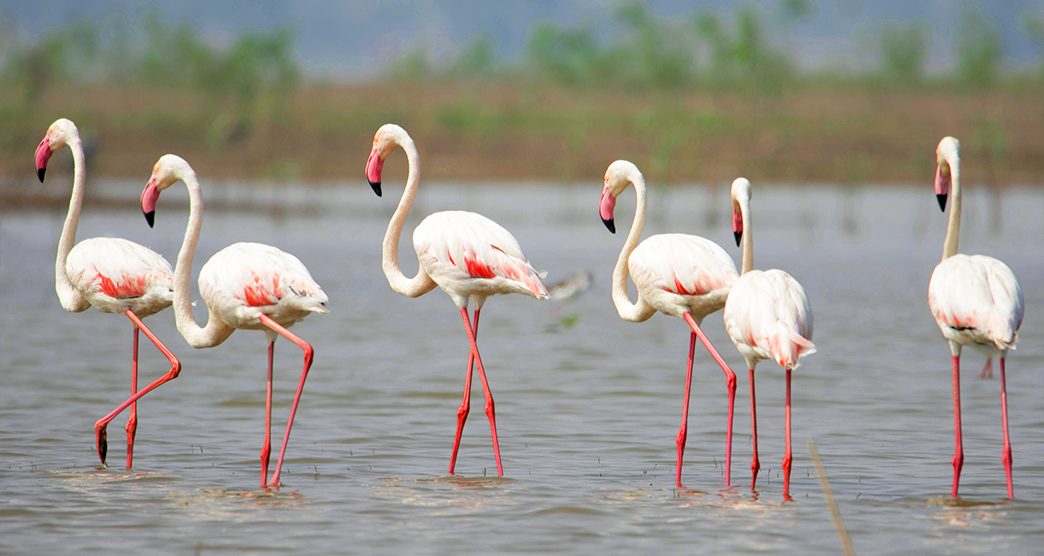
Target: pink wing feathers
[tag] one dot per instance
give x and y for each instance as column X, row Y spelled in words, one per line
column 768, row 316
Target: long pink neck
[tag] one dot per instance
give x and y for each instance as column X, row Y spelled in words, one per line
column 71, row 298
column 420, row 283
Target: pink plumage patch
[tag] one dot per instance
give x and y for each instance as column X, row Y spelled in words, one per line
column 477, row 268
column 260, row 294
column 126, row 287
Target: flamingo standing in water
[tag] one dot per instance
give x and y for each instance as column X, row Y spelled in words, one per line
column 768, row 316
column 976, row 301
column 245, row 285
column 679, row 275
column 110, row 274
column 468, row 255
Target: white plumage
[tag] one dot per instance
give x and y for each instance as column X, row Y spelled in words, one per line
column 768, row 316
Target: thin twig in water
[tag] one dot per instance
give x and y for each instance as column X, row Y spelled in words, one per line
column 846, row 542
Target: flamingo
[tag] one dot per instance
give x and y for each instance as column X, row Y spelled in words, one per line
column 245, row 285
column 768, row 316
column 112, row 275
column 466, row 254
column 679, row 275
column 976, row 301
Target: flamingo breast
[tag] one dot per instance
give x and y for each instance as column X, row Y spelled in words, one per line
column 675, row 273
column 116, row 274
column 976, row 299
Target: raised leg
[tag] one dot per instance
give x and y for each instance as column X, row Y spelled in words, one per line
column 730, row 384
column 490, row 410
column 1006, row 453
column 683, row 431
column 266, row 448
column 958, row 446
column 987, row 369
column 465, row 403
column 755, row 465
column 788, row 455
column 175, row 369
column 132, row 422
column 309, row 353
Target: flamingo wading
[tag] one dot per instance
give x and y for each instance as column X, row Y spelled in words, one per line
column 468, row 255
column 245, row 285
column 110, row 274
column 768, row 316
column 976, row 301
column 680, row 275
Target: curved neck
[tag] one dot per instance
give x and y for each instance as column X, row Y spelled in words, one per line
column 953, row 229
column 639, row 311
column 68, row 295
column 421, row 282
column 747, row 240
column 215, row 331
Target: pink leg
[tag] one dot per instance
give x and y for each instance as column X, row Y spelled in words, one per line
column 266, row 448
column 683, row 431
column 465, row 403
column 987, row 369
column 132, row 422
column 490, row 411
column 175, row 369
column 730, row 384
column 1006, row 454
column 309, row 353
column 788, row 456
column 755, row 465
column 958, row 446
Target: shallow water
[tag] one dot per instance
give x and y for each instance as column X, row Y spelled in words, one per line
column 588, row 405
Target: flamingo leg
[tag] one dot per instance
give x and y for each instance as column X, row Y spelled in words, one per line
column 683, row 431
column 958, row 445
column 490, row 411
column 132, row 422
column 1006, row 453
column 266, row 448
column 465, row 403
column 987, row 369
column 175, row 369
column 309, row 353
column 788, row 455
column 730, row 384
column 755, row 464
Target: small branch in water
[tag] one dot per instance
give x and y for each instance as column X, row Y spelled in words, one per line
column 835, row 512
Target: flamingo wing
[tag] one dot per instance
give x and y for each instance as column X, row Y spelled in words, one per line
column 109, row 270
column 258, row 275
column 681, row 264
column 768, row 316
column 976, row 299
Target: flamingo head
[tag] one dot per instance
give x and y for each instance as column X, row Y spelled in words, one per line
column 167, row 170
column 740, row 198
column 388, row 137
column 947, row 160
column 61, row 133
column 618, row 176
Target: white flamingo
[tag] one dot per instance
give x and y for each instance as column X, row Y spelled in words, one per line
column 768, row 316
column 468, row 255
column 110, row 274
column 245, row 285
column 976, row 301
column 679, row 275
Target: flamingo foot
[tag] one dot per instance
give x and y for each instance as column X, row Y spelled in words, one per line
column 755, row 466
column 132, row 429
column 101, row 439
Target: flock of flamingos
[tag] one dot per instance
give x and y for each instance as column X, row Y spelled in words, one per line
column 976, row 300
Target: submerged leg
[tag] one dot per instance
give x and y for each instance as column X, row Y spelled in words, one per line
column 987, row 369
column 683, row 431
column 1006, row 453
column 788, row 455
column 309, row 352
column 132, row 421
column 175, row 369
column 465, row 403
column 266, row 447
column 730, row 385
column 958, row 446
column 490, row 411
column 755, row 465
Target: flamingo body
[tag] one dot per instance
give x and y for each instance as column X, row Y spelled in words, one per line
column 114, row 275
column 768, row 317
column 977, row 301
column 680, row 273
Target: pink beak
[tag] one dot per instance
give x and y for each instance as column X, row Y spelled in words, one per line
column 149, row 196
column 606, row 207
column 43, row 154
column 374, row 166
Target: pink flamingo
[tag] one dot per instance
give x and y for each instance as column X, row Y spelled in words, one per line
column 110, row 274
column 468, row 255
column 976, row 301
column 679, row 275
column 245, row 285
column 768, row 316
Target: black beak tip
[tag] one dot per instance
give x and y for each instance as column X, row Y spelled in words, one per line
column 738, row 236
column 150, row 218
column 942, row 201
column 376, row 185
column 610, row 224
column 40, row 173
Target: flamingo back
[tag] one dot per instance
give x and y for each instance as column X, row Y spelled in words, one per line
column 976, row 299
column 115, row 274
column 676, row 273
column 469, row 254
column 768, row 316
